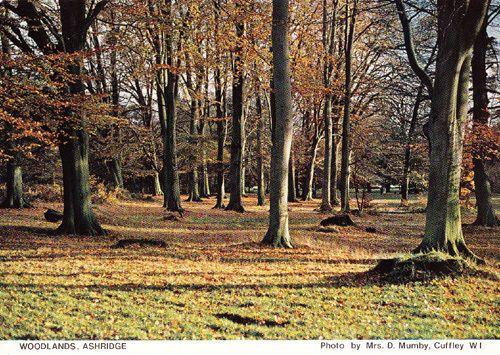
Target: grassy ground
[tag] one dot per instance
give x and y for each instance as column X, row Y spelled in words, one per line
column 213, row 280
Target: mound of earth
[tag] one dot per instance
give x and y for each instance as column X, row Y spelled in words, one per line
column 342, row 220
column 422, row 267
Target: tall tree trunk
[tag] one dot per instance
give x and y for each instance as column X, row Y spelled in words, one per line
column 194, row 194
column 221, row 139
column 458, row 24
column 261, row 187
column 405, row 181
column 485, row 211
column 14, row 174
column 346, row 124
column 172, row 199
column 157, row 190
column 327, row 162
column 278, row 234
column 204, row 178
column 238, row 129
column 220, row 111
column 307, row 192
column 292, row 190
column 14, row 178
column 170, row 176
column 328, row 38
column 115, row 167
column 116, row 160
column 333, row 188
column 78, row 215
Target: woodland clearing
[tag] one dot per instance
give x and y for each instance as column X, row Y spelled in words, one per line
column 213, row 280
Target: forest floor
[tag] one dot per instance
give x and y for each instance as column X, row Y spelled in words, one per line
column 212, row 280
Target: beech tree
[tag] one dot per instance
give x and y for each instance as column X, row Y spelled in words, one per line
column 346, row 122
column 74, row 147
column 236, row 178
column 278, row 232
column 480, row 115
column 458, row 26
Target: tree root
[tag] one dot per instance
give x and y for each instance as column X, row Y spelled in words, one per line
column 235, row 207
column 421, row 267
column 325, row 208
column 7, row 205
column 276, row 241
column 488, row 223
column 457, row 250
column 93, row 229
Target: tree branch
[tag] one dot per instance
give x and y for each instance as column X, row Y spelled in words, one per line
column 93, row 13
column 410, row 49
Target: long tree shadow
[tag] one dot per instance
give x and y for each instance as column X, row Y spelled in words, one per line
column 350, row 279
column 44, row 231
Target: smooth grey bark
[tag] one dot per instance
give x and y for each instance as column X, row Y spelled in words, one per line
column 292, row 188
column 327, row 161
column 458, row 25
column 485, row 215
column 405, row 180
column 346, row 121
column 204, row 180
column 204, row 177
column 243, row 181
column 157, row 190
column 115, row 168
column 220, row 111
column 334, row 199
column 307, row 192
column 328, row 39
column 194, row 194
column 221, row 139
column 278, row 232
column 14, row 192
column 238, row 129
column 261, row 187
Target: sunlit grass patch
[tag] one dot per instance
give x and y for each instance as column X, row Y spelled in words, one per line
column 211, row 279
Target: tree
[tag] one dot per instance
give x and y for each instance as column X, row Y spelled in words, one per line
column 14, row 176
column 220, row 109
column 238, row 127
column 458, row 25
column 278, row 232
column 328, row 37
column 261, row 188
column 346, row 125
column 480, row 116
column 167, row 105
column 78, row 215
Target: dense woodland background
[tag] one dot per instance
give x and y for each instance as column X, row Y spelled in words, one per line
column 148, row 96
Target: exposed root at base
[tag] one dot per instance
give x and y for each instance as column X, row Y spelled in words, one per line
column 272, row 240
column 421, row 267
column 235, row 207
